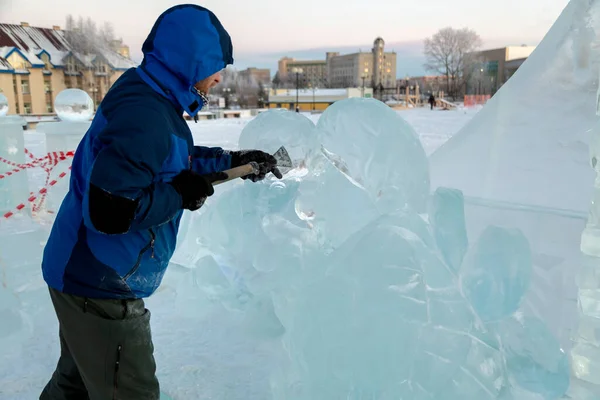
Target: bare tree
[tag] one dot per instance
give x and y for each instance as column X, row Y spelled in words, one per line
column 450, row 52
column 84, row 35
column 106, row 34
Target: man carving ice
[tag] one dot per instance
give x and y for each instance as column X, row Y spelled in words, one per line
column 133, row 174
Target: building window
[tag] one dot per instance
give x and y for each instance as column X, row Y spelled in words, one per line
column 25, row 86
column 47, row 87
column 71, row 66
column 27, row 108
column 49, row 108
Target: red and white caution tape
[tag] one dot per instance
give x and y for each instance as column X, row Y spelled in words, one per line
column 47, row 163
column 50, row 159
column 42, row 192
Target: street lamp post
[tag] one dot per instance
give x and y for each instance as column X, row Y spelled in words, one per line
column 297, row 71
column 480, row 78
column 364, row 76
column 226, row 95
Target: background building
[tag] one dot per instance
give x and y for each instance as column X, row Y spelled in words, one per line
column 38, row 63
column 492, row 68
column 314, row 72
column 312, row 99
column 256, row 75
column 375, row 69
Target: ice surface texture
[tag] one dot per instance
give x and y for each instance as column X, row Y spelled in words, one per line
column 369, row 298
column 266, row 133
column 377, row 149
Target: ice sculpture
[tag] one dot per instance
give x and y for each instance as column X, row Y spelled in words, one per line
column 14, row 186
column 75, row 108
column 522, row 162
column 371, row 301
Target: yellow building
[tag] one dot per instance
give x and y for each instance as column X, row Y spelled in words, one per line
column 38, row 63
column 313, row 100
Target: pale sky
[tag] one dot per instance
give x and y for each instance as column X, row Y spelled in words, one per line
column 265, row 30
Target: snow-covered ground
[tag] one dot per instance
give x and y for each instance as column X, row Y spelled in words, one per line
column 197, row 358
column 434, row 127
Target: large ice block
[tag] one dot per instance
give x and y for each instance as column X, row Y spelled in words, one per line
column 14, row 189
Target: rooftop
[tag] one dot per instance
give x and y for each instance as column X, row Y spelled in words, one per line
column 31, row 42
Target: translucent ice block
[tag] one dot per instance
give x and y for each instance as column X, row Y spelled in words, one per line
column 63, row 136
column 447, row 217
column 14, row 189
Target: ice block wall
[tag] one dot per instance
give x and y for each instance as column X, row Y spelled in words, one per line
column 14, row 187
column 62, row 136
column 585, row 355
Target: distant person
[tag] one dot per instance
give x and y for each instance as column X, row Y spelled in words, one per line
column 133, row 174
column 431, row 101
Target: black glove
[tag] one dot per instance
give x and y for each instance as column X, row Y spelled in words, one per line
column 195, row 188
column 266, row 162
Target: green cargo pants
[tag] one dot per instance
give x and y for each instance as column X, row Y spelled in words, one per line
column 106, row 350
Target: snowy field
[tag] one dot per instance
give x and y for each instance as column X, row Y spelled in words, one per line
column 197, row 358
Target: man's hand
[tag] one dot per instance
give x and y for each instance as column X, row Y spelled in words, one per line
column 267, row 163
column 195, row 188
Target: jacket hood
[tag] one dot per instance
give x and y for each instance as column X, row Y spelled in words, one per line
column 186, row 45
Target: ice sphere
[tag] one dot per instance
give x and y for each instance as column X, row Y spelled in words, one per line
column 534, row 357
column 3, row 105
column 14, row 184
column 374, row 146
column 496, row 272
column 447, row 217
column 275, row 128
column 74, row 105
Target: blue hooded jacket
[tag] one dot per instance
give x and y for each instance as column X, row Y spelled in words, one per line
column 116, row 229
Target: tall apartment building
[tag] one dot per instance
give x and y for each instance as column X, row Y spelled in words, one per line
column 314, row 72
column 256, row 75
column 38, row 63
column 374, row 69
